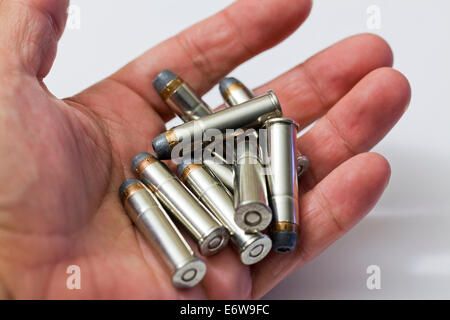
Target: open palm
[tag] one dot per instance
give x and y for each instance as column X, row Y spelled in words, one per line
column 62, row 161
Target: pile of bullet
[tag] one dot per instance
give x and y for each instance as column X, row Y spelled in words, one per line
column 212, row 199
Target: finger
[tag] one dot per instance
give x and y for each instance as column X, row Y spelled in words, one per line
column 226, row 271
column 356, row 123
column 309, row 90
column 29, row 32
column 328, row 211
column 209, row 50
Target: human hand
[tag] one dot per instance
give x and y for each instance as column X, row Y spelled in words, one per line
column 62, row 161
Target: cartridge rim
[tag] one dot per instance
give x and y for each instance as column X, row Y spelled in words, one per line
column 257, row 250
column 273, row 121
column 214, row 242
column 190, row 274
column 274, row 98
column 254, row 216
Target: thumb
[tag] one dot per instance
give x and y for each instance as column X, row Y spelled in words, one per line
column 29, row 33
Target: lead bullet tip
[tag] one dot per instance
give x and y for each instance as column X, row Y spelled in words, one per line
column 126, row 184
column 283, row 241
column 161, row 147
column 138, row 159
column 162, row 80
column 226, row 83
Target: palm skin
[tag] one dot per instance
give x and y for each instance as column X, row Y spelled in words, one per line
column 62, row 161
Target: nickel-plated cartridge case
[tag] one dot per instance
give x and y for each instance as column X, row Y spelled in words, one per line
column 253, row 247
column 282, row 182
column 210, row 234
column 223, row 171
column 250, row 114
column 235, row 92
column 188, row 106
column 180, row 97
column 156, row 227
column 251, row 203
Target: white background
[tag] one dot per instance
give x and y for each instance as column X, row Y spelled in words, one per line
column 407, row 234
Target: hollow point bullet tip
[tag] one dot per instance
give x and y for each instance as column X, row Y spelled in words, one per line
column 284, row 241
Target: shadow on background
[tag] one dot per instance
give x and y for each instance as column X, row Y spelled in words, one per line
column 407, row 236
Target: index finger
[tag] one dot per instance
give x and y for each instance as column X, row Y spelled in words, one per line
column 209, row 50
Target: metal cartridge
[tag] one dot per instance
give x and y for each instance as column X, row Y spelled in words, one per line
column 235, row 92
column 251, row 202
column 188, row 106
column 156, row 227
column 253, row 247
column 282, row 182
column 210, row 234
column 250, row 114
column 180, row 97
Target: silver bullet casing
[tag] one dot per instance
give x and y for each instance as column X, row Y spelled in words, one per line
column 188, row 106
column 235, row 92
column 250, row 114
column 210, row 234
column 223, row 171
column 251, row 202
column 180, row 97
column 253, row 247
column 282, row 182
column 160, row 232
